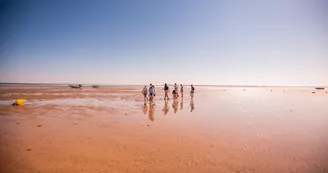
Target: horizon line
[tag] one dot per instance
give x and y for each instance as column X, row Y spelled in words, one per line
column 90, row 84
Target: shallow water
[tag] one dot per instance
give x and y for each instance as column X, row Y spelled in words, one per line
column 220, row 130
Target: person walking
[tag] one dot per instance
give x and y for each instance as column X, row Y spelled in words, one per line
column 176, row 89
column 166, row 91
column 153, row 89
column 192, row 92
column 151, row 92
column 174, row 93
column 145, row 92
column 181, row 90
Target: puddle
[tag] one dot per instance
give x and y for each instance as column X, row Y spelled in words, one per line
column 75, row 102
column 6, row 102
column 66, row 94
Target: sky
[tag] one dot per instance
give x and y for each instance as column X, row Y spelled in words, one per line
column 209, row 42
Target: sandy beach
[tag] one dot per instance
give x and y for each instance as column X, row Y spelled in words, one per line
column 109, row 129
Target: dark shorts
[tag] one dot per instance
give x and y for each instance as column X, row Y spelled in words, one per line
column 151, row 94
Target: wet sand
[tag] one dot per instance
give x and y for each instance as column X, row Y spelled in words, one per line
column 224, row 129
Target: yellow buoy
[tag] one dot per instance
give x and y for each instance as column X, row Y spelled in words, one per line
column 19, row 102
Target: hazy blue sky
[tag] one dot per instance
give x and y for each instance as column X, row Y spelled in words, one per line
column 263, row 42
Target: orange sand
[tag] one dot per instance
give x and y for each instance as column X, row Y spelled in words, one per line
column 111, row 130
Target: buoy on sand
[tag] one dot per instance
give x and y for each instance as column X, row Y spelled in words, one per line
column 19, row 102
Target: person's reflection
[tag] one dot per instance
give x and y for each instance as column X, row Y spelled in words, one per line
column 181, row 103
column 145, row 108
column 175, row 105
column 166, row 107
column 151, row 111
column 192, row 106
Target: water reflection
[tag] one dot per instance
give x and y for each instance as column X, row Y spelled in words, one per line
column 151, row 111
column 149, row 107
column 175, row 105
column 145, row 108
column 192, row 105
column 166, row 107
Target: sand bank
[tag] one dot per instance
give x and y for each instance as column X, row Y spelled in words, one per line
column 111, row 130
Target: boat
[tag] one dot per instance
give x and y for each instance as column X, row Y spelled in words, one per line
column 320, row 88
column 75, row 86
column 95, row 86
column 19, row 102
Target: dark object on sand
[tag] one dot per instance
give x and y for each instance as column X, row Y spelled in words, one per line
column 320, row 88
column 75, row 86
column 95, row 86
column 313, row 92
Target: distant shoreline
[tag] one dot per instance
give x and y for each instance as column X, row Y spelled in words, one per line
column 66, row 84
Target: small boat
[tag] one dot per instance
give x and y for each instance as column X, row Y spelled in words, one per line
column 320, row 88
column 95, row 86
column 19, row 102
column 75, row 86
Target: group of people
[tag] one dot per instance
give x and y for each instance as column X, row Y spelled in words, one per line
column 151, row 92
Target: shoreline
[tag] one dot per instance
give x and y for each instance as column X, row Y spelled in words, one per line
column 137, row 85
